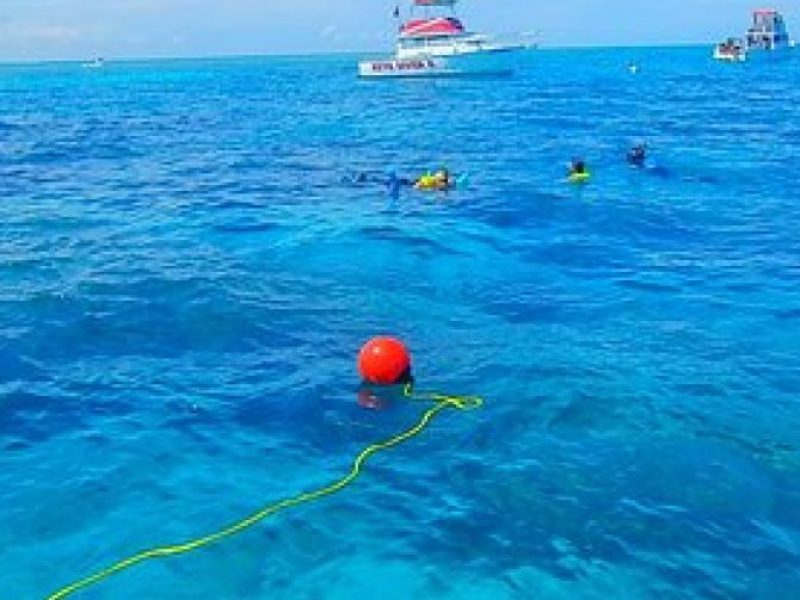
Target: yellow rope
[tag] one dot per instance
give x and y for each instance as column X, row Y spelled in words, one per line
column 442, row 403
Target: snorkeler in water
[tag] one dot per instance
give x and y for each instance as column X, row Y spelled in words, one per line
column 638, row 158
column 578, row 171
column 637, row 155
column 577, row 167
column 440, row 180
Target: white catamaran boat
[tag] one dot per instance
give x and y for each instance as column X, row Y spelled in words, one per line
column 767, row 37
column 437, row 44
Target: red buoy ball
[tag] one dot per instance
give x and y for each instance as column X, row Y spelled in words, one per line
column 384, row 361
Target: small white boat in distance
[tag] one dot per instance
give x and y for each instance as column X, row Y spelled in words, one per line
column 438, row 45
column 731, row 50
column 97, row 63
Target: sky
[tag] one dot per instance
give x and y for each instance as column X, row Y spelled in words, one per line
column 81, row 29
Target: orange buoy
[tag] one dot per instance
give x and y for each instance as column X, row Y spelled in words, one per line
column 384, row 361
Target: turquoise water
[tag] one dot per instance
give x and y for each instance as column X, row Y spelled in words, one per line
column 185, row 281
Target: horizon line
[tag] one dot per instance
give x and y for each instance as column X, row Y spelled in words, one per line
column 317, row 53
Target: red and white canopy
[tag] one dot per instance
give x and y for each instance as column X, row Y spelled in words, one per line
column 429, row 27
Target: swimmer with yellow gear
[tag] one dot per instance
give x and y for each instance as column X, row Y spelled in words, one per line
column 442, row 180
column 439, row 181
column 578, row 173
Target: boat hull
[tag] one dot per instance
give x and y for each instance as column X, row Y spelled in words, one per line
column 777, row 54
column 495, row 63
column 724, row 56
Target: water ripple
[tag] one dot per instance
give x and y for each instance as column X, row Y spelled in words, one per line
column 185, row 276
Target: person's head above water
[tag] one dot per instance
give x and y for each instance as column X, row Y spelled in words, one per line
column 578, row 165
column 637, row 154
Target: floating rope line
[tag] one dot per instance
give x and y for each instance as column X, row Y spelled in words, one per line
column 442, row 402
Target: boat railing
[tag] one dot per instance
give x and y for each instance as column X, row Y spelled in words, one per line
column 441, row 41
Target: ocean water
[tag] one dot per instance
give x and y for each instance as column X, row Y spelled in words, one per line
column 186, row 278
